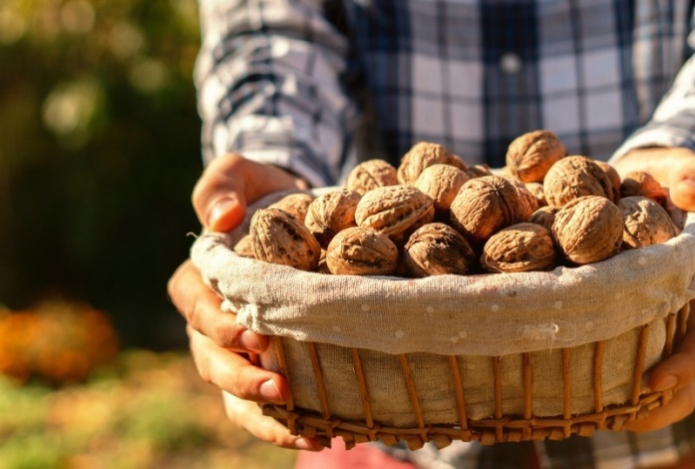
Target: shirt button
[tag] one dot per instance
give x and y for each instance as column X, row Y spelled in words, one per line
column 510, row 63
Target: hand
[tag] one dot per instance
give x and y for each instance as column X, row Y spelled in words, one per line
column 678, row 372
column 672, row 167
column 220, row 199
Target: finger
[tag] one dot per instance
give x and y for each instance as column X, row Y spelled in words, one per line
column 249, row 416
column 678, row 370
column 231, row 372
column 683, row 194
column 201, row 308
column 218, row 197
column 677, row 409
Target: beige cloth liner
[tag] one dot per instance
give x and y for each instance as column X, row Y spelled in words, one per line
column 474, row 317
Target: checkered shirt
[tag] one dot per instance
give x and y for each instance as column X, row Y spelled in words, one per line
column 315, row 86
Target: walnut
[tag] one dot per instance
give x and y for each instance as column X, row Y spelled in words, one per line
column 477, row 171
column 437, row 249
column 646, row 222
column 244, row 247
column 280, row 238
column 678, row 216
column 641, row 183
column 361, row 251
column 485, row 205
column 573, row 177
column 393, row 210
column 613, row 177
column 441, row 183
column 370, row 175
column 588, row 229
column 536, row 188
column 529, row 203
column 422, row 155
column 530, row 156
column 295, row 204
column 330, row 213
column 519, row 248
column 544, row 216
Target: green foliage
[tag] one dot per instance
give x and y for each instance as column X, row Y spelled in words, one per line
column 99, row 152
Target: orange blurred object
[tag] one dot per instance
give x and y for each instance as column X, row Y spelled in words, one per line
column 57, row 341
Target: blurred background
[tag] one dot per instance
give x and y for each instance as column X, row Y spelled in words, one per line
column 99, row 153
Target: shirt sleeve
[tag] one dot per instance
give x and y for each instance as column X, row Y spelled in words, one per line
column 268, row 76
column 673, row 122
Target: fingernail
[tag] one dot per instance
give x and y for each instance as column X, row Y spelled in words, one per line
column 269, row 390
column 250, row 341
column 220, row 210
column 667, row 382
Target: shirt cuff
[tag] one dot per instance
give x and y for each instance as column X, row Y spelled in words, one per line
column 655, row 135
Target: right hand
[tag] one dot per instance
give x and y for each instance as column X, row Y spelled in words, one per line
column 217, row 342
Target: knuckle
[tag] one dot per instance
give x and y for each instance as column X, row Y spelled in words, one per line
column 226, row 336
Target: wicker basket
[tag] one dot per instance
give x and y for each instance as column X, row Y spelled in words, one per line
column 502, row 427
column 367, row 386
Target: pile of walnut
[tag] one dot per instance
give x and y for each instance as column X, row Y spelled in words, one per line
column 435, row 215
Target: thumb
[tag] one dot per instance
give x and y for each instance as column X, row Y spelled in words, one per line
column 683, row 194
column 218, row 197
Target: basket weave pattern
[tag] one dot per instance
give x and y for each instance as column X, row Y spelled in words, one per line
column 500, row 427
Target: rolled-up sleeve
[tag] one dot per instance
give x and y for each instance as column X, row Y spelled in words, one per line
column 268, row 77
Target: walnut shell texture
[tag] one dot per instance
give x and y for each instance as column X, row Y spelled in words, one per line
column 640, row 183
column 441, row 183
column 280, row 238
column 244, row 247
column 392, row 210
column 295, row 204
column 422, row 155
column 484, row 206
column 477, row 171
column 588, row 229
column 530, row 156
column 519, row 248
column 331, row 213
column 437, row 249
column 371, row 174
column 613, row 177
column 573, row 177
column 361, row 251
column 544, row 216
column 536, row 188
column 646, row 222
column 529, row 203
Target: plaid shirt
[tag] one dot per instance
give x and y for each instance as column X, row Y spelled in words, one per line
column 317, row 85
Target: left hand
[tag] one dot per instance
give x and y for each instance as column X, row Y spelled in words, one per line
column 673, row 168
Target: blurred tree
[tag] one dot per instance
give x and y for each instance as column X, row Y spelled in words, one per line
column 99, row 152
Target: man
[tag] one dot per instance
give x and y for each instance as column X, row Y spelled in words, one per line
column 303, row 89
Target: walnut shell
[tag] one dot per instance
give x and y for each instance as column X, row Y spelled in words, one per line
column 530, row 156
column 361, row 251
column 477, row 171
column 295, row 204
column 484, row 206
column 588, row 229
column 640, row 183
column 437, row 249
column 244, row 247
column 371, row 174
column 529, row 203
column 280, row 238
column 613, row 177
column 523, row 247
column 392, row 210
column 422, row 155
column 331, row 213
column 573, row 177
column 441, row 183
column 646, row 222
column 544, row 216
column 536, row 188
